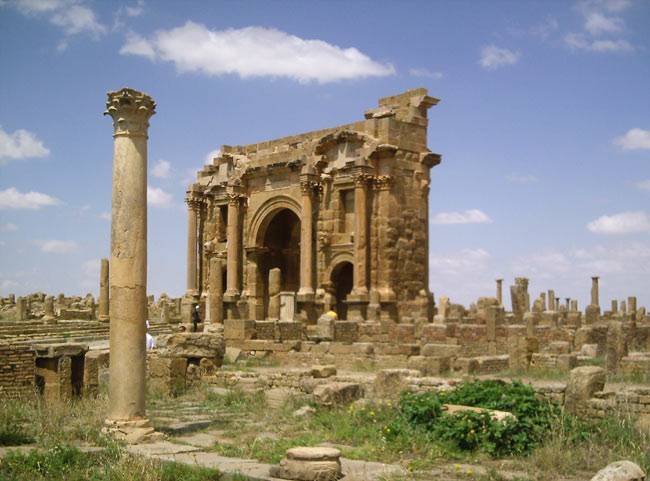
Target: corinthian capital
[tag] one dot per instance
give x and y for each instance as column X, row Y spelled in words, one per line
column 130, row 111
column 383, row 182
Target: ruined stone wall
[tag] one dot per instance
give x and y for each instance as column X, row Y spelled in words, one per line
column 17, row 375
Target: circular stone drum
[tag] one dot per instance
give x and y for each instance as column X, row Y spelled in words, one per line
column 309, row 464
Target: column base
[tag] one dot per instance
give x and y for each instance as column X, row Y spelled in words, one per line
column 137, row 431
column 231, row 296
column 356, row 309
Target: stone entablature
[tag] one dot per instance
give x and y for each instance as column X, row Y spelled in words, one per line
column 342, row 212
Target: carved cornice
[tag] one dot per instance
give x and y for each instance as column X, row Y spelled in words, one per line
column 361, row 179
column 130, row 111
column 310, row 186
column 383, row 182
column 195, row 202
column 234, row 198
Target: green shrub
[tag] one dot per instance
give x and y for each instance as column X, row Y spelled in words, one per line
column 470, row 431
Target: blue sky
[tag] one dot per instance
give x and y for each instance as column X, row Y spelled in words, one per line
column 543, row 124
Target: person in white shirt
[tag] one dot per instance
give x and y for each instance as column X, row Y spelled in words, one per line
column 151, row 342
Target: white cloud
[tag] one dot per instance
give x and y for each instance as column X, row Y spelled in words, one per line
column 472, row 216
column 13, row 199
column 459, row 262
column 20, row 144
column 75, row 19
column 136, row 10
column 634, row 139
column 254, row 52
column 32, row 7
column 425, row 73
column 521, row 179
column 136, row 45
column 156, row 197
column 597, row 23
column 105, row 215
column 162, row 169
column 54, row 246
column 493, row 57
column 623, row 223
column 72, row 16
column 578, row 41
column 644, row 185
column 8, row 227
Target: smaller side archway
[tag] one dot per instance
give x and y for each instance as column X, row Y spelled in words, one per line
column 342, row 278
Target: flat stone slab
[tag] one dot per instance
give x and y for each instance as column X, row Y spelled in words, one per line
column 369, row 470
column 160, row 448
column 205, row 439
column 256, row 471
column 320, row 453
column 494, row 414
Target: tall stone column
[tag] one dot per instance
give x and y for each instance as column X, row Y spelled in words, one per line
column 306, row 291
column 500, row 291
column 130, row 111
column 192, row 244
column 103, row 314
column 631, row 307
column 21, row 309
column 233, row 262
column 357, row 300
column 594, row 292
column 551, row 300
column 215, row 292
column 48, row 308
column 383, row 184
column 361, row 236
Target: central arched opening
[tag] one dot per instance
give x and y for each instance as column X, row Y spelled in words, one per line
column 342, row 278
column 281, row 243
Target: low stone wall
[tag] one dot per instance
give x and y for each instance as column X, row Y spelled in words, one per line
column 17, row 368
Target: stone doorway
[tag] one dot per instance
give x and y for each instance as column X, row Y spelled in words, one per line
column 342, row 279
column 281, row 249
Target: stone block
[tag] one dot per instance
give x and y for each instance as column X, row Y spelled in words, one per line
column 390, row 349
column 167, row 374
column 337, row 393
column 558, row 347
column 238, row 329
column 583, row 382
column 94, row 362
column 620, row 471
column 193, row 345
column 290, row 330
column 357, row 348
column 346, row 331
column 429, row 365
column 325, row 327
column 441, row 350
column 309, row 464
column 402, row 333
column 266, row 330
column 321, row 372
column 435, row 333
column 390, row 382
